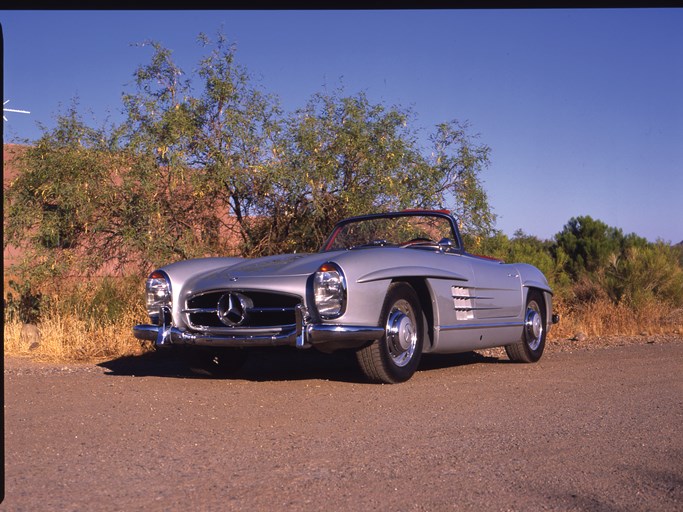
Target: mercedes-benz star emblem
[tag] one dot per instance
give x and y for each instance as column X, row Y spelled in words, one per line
column 233, row 308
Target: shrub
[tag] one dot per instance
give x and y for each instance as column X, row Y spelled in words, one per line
column 644, row 274
column 27, row 306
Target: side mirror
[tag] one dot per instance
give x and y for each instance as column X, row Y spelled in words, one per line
column 446, row 244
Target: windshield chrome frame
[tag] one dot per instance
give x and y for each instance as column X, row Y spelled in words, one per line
column 457, row 247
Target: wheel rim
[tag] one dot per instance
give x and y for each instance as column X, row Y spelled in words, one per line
column 401, row 333
column 533, row 326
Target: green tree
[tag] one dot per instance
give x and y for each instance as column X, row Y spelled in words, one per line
column 343, row 155
column 337, row 156
column 208, row 164
column 57, row 209
column 234, row 145
column 456, row 174
column 589, row 244
column 164, row 138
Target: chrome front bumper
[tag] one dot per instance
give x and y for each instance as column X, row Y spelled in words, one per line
column 300, row 335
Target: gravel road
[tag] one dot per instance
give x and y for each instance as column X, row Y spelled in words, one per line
column 597, row 429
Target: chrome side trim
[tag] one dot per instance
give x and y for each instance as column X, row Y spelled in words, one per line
column 476, row 309
column 478, row 326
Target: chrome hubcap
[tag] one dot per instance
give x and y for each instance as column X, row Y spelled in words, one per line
column 401, row 334
column 534, row 326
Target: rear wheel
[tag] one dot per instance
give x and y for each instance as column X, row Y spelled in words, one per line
column 395, row 357
column 529, row 348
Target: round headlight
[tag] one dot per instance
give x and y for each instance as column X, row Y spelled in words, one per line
column 329, row 291
column 158, row 293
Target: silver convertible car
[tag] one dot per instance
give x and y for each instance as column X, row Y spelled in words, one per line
column 388, row 286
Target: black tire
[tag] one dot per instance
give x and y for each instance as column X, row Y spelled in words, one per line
column 529, row 348
column 214, row 362
column 395, row 357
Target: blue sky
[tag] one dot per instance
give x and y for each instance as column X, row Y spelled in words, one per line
column 583, row 109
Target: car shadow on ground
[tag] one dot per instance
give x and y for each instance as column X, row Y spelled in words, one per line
column 441, row 361
column 278, row 364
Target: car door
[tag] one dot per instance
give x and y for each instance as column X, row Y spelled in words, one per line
column 498, row 289
column 488, row 295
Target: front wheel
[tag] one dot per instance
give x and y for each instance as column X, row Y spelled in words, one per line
column 529, row 348
column 395, row 357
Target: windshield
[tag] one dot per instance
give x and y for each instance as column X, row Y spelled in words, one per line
column 393, row 230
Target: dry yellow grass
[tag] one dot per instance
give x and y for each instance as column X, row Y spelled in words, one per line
column 68, row 338
column 604, row 318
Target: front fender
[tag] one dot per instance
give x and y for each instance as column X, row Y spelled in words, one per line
column 531, row 277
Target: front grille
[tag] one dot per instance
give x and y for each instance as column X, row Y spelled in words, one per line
column 266, row 310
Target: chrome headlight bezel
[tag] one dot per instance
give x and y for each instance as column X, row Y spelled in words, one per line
column 157, row 294
column 329, row 291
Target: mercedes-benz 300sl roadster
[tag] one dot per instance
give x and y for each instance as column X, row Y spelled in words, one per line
column 388, row 286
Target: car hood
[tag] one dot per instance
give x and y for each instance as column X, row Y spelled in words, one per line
column 285, row 265
column 261, row 271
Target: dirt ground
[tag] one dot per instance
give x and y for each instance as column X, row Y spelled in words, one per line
column 595, row 425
